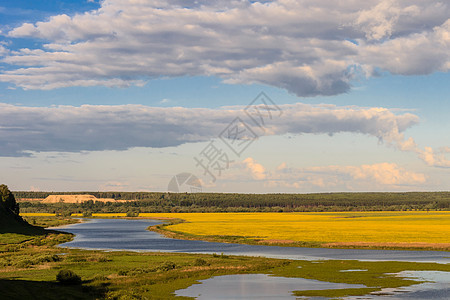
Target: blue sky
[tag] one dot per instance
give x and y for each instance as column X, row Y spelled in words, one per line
column 122, row 95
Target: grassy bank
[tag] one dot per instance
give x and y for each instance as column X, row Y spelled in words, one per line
column 29, row 268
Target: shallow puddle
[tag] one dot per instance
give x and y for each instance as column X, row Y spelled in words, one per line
column 437, row 288
column 256, row 286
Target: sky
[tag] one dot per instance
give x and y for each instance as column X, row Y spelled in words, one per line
column 225, row 96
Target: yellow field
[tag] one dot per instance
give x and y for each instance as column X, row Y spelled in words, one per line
column 37, row 215
column 371, row 229
column 402, row 229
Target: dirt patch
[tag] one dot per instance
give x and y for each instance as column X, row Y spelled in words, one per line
column 74, row 199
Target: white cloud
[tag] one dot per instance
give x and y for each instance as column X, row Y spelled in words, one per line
column 435, row 158
column 332, row 177
column 310, row 47
column 102, row 127
column 3, row 50
column 256, row 170
column 384, row 173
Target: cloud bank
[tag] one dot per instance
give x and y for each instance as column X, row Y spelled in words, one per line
column 120, row 127
column 348, row 177
column 381, row 174
column 308, row 47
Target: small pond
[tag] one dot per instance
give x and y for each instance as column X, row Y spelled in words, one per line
column 256, row 286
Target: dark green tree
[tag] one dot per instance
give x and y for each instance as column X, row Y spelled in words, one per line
column 7, row 200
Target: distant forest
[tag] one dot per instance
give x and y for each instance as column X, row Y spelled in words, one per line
column 222, row 202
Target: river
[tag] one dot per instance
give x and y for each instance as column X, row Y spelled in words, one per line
column 132, row 235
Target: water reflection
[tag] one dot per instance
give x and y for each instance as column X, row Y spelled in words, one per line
column 256, row 286
column 437, row 287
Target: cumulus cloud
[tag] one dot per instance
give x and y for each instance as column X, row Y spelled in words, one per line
column 382, row 174
column 256, row 170
column 120, row 127
column 103, row 127
column 435, row 158
column 309, row 47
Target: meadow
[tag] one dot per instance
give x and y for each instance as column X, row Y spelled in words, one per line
column 29, row 269
column 386, row 230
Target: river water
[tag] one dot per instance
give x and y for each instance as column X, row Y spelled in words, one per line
column 125, row 234
column 132, row 235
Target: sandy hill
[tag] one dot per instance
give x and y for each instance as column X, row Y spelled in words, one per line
column 74, row 199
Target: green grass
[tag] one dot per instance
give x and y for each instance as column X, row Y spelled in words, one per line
column 50, row 221
column 124, row 274
column 19, row 233
column 128, row 275
column 379, row 275
column 29, row 269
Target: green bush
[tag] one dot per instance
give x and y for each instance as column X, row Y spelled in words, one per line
column 167, row 266
column 200, row 262
column 220, row 256
column 132, row 214
column 68, row 277
column 87, row 214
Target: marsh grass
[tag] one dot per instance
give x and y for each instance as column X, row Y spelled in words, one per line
column 48, row 221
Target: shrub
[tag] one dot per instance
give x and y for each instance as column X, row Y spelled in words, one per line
column 100, row 278
column 68, row 277
column 132, row 214
column 11, row 248
column 220, row 256
column 77, row 258
column 22, row 263
column 46, row 258
column 167, row 266
column 200, row 262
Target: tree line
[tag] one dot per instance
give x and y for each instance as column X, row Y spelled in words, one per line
column 229, row 202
